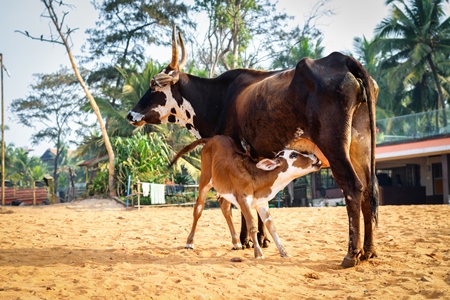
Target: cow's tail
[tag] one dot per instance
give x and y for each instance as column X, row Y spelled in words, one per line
column 359, row 72
column 186, row 149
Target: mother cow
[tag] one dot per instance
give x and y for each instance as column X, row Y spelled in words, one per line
column 325, row 106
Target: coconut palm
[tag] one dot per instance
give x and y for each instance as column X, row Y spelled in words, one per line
column 305, row 47
column 413, row 38
column 389, row 101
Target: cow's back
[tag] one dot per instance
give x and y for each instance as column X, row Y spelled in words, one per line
column 307, row 102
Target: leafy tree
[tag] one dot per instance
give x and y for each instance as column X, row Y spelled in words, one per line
column 288, row 51
column 304, row 48
column 21, row 168
column 389, row 101
column 413, row 39
column 118, row 39
column 62, row 38
column 143, row 157
column 53, row 103
column 233, row 25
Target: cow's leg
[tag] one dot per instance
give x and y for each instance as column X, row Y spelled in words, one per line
column 360, row 154
column 345, row 176
column 369, row 226
column 198, row 209
column 369, row 204
column 262, row 236
column 263, row 212
column 245, row 238
column 244, row 204
column 225, row 206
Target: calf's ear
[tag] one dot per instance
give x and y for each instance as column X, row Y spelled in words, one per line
column 268, row 164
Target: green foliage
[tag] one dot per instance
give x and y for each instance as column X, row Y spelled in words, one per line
column 21, row 168
column 123, row 29
column 412, row 42
column 99, row 184
column 233, row 27
column 144, row 158
column 137, row 83
column 54, row 104
column 304, row 48
column 124, row 26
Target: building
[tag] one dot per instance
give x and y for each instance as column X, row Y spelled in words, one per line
column 413, row 163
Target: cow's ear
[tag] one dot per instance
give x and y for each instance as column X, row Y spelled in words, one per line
column 268, row 164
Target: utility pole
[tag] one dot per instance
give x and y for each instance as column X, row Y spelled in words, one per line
column 3, row 133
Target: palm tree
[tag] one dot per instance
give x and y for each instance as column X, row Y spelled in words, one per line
column 412, row 39
column 22, row 168
column 389, row 101
column 304, row 47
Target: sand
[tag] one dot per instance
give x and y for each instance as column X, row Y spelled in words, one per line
column 100, row 250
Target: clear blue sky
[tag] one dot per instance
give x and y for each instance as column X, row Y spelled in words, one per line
column 24, row 57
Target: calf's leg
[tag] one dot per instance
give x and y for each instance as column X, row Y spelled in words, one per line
column 250, row 222
column 198, row 209
column 225, row 206
column 263, row 212
column 245, row 237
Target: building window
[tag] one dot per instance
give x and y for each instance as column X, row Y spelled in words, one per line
column 324, row 179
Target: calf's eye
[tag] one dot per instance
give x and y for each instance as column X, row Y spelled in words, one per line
column 293, row 155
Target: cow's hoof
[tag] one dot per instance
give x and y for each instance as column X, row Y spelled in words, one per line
column 247, row 244
column 189, row 246
column 237, row 247
column 349, row 262
column 265, row 243
column 368, row 254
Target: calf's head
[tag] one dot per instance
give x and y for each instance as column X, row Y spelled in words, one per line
column 293, row 163
column 161, row 103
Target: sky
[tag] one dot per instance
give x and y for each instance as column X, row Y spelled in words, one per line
column 24, row 57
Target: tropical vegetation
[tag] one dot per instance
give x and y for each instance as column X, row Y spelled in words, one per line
column 409, row 57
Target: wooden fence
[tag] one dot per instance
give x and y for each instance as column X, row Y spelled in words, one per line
column 28, row 196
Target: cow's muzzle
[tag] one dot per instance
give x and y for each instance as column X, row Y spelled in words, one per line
column 135, row 118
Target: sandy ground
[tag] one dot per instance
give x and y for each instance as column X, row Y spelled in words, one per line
column 99, row 250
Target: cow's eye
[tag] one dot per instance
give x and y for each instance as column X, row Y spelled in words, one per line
column 293, row 155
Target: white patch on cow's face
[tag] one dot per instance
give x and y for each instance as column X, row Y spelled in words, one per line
column 136, row 117
column 298, row 134
column 184, row 114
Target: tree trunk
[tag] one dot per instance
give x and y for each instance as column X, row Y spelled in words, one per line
column 440, row 101
column 53, row 17
column 55, row 172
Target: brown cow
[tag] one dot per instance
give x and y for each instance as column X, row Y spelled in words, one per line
column 324, row 106
column 241, row 181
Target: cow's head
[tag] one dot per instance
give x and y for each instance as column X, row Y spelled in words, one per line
column 161, row 103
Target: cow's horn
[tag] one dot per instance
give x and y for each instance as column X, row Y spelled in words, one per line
column 183, row 53
column 174, row 62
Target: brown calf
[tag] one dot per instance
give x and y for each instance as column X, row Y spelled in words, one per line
column 244, row 183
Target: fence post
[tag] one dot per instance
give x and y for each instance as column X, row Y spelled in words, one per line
column 34, row 193
column 139, row 194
